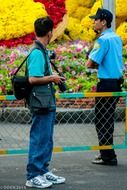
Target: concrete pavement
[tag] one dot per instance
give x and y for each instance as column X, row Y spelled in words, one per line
column 75, row 166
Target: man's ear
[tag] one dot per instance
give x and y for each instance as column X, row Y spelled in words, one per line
column 49, row 34
column 104, row 22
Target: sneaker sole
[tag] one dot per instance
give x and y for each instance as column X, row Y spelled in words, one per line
column 56, row 182
column 31, row 185
column 105, row 163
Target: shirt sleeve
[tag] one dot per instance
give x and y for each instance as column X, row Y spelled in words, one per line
column 36, row 64
column 99, row 51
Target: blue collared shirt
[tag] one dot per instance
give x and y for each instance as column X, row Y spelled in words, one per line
column 107, row 53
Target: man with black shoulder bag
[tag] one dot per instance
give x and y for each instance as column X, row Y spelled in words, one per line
column 42, row 105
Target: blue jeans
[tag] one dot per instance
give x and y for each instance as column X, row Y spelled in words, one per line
column 41, row 144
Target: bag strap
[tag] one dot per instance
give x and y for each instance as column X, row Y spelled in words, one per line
column 39, row 46
column 21, row 65
column 23, row 62
column 56, row 69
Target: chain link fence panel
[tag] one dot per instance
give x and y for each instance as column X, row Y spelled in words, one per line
column 74, row 127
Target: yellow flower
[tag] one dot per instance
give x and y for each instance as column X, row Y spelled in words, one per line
column 121, row 8
column 87, row 34
column 87, row 3
column 78, row 7
column 87, row 22
column 122, row 31
column 17, row 17
column 81, row 12
column 74, row 23
column 96, row 5
column 71, row 6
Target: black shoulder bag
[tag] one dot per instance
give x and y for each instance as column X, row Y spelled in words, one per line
column 20, row 84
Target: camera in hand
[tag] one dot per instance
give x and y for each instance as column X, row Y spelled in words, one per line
column 52, row 54
column 62, row 86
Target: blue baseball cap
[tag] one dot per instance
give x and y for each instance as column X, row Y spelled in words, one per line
column 103, row 14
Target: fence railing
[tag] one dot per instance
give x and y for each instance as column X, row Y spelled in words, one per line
column 74, row 128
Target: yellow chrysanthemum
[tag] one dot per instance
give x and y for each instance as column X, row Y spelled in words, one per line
column 87, row 22
column 87, row 3
column 87, row 25
column 74, row 23
column 71, row 6
column 81, row 12
column 87, row 34
column 121, row 8
column 119, row 20
column 17, row 17
column 96, row 5
column 122, row 31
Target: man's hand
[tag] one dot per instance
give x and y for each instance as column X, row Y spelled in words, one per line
column 57, row 79
column 46, row 79
column 90, row 64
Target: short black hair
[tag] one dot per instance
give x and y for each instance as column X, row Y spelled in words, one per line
column 43, row 25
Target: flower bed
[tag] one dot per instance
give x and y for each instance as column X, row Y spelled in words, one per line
column 17, row 18
column 71, row 58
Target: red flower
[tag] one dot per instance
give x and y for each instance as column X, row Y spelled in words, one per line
column 28, row 39
column 54, row 8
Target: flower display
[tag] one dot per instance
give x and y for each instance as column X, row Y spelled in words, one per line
column 72, row 6
column 81, row 12
column 85, row 25
column 122, row 31
column 70, row 30
column 80, row 26
column 55, row 8
column 120, row 8
column 70, row 60
column 97, row 4
column 16, row 19
column 16, row 27
column 27, row 39
column 10, row 60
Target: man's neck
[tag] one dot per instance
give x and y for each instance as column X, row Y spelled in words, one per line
column 103, row 29
column 43, row 41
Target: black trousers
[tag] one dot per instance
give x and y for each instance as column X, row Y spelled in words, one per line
column 104, row 115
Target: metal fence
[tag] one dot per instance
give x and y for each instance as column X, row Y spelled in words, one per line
column 74, row 128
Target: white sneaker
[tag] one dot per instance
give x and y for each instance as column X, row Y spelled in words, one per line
column 54, row 178
column 38, row 182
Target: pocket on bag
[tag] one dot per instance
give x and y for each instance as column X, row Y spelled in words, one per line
column 39, row 102
column 41, row 99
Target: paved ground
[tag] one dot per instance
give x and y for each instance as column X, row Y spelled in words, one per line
column 75, row 166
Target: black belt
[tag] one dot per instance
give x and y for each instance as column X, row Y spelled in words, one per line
column 120, row 80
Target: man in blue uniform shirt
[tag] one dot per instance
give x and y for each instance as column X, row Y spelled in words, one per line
column 106, row 55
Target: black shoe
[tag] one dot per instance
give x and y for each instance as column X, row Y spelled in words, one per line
column 98, row 157
column 99, row 161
